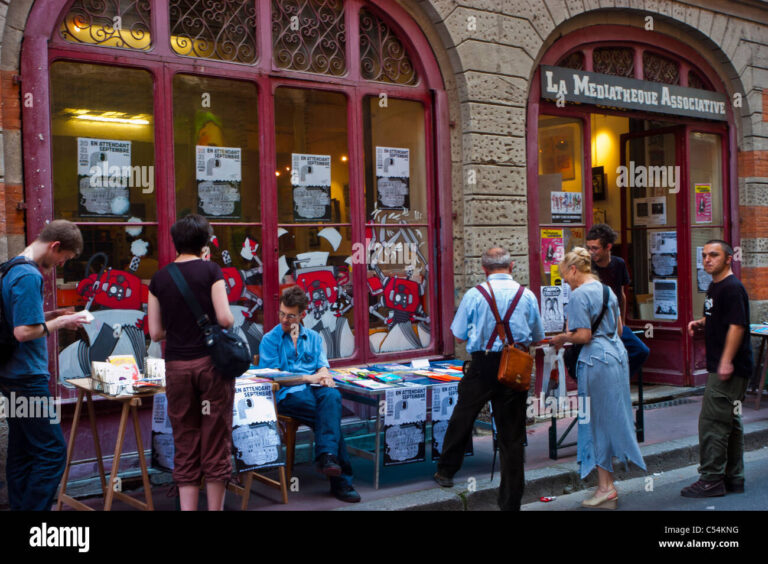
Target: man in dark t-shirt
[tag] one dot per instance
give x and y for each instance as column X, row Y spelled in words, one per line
column 729, row 363
column 612, row 272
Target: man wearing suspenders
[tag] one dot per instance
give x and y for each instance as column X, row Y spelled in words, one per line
column 475, row 323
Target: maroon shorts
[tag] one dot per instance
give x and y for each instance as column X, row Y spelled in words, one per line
column 200, row 410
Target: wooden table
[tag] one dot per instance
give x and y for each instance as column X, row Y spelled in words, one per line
column 759, row 375
column 129, row 405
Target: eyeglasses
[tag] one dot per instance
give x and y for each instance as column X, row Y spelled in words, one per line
column 288, row 316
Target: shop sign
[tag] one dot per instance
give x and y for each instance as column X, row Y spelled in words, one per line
column 571, row 85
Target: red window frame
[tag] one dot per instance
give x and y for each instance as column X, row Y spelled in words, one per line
column 43, row 46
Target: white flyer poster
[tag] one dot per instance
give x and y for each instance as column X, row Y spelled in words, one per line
column 255, row 437
column 665, row 299
column 162, row 434
column 104, row 177
column 311, row 181
column 393, row 177
column 218, row 172
column 566, row 207
column 444, row 398
column 405, row 425
column 552, row 312
column 703, row 279
column 657, row 210
column 663, row 242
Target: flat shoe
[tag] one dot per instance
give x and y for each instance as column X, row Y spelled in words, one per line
column 606, row 500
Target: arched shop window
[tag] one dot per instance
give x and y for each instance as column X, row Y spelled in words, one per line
column 656, row 164
column 304, row 130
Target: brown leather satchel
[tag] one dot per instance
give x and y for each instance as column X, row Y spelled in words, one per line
column 516, row 365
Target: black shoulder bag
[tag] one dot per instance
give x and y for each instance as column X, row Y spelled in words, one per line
column 228, row 351
column 571, row 354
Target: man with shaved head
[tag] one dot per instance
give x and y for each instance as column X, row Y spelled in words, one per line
column 475, row 323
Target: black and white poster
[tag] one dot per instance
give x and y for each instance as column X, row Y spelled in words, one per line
column 444, row 397
column 405, row 423
column 255, row 437
column 552, row 311
column 393, row 178
column 218, row 171
column 665, row 299
column 703, row 279
column 311, row 181
column 162, row 435
column 663, row 249
column 104, row 176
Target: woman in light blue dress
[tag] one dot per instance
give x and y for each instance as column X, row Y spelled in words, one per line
column 607, row 429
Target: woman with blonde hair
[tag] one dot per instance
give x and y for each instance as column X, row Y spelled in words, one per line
column 603, row 378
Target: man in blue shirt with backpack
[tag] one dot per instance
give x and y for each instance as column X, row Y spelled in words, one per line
column 36, row 446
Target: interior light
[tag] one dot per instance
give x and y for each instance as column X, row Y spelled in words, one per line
column 112, row 119
column 344, row 158
column 277, row 173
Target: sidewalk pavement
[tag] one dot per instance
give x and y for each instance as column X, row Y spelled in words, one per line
column 671, row 441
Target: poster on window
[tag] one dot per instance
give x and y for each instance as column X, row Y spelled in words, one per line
column 552, row 248
column 405, row 422
column 105, row 177
column 393, row 178
column 162, row 435
column 566, row 207
column 255, row 437
column 703, row 203
column 665, row 299
column 311, row 182
column 444, row 397
column 552, row 314
column 218, row 171
column 663, row 249
column 703, row 279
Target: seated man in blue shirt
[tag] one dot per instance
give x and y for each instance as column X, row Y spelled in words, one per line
column 311, row 398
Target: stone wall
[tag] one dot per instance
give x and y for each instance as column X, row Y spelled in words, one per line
column 494, row 47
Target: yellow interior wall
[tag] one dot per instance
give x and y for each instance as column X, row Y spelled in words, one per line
column 606, row 152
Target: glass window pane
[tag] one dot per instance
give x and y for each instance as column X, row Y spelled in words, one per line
column 398, row 286
column 216, row 148
column 706, row 200
column 652, row 206
column 312, row 156
column 320, row 261
column 237, row 250
column 561, row 176
column 103, row 143
column 119, row 23
column 395, row 161
column 114, row 285
column 555, row 242
column 223, row 30
column 309, row 35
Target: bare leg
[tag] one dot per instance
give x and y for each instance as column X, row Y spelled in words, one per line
column 604, row 480
column 215, row 492
column 188, row 497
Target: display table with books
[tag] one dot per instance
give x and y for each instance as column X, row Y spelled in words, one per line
column 405, row 398
column 120, row 382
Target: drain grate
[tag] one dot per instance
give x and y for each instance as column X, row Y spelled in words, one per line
column 668, row 403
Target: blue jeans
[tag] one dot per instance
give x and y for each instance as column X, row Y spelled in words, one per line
column 320, row 408
column 636, row 350
column 37, row 452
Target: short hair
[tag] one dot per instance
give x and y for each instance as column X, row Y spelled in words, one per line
column 190, row 234
column 496, row 258
column 66, row 233
column 295, row 296
column 727, row 249
column 578, row 257
column 602, row 232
